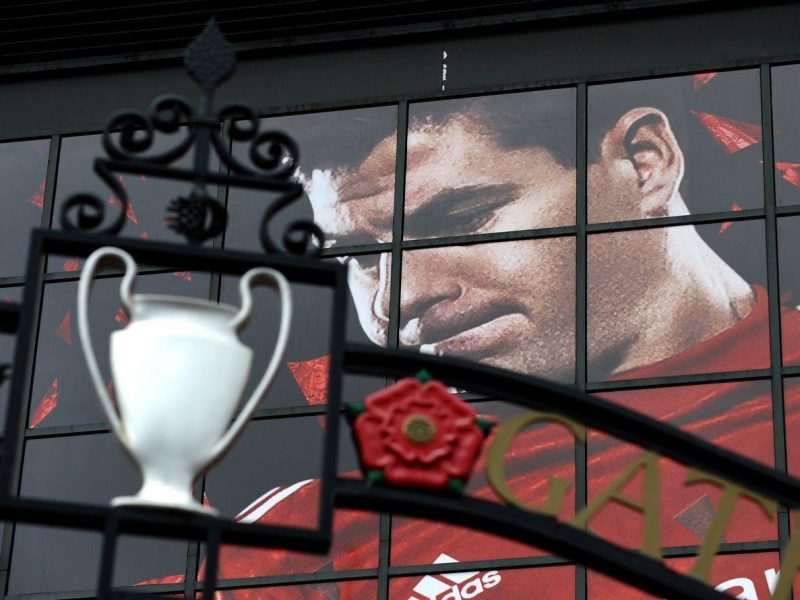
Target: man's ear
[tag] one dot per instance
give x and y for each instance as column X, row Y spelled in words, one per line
column 644, row 138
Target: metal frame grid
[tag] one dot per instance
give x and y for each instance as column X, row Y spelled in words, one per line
column 769, row 215
column 213, row 530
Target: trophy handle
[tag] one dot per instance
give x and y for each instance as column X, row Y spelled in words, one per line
column 273, row 278
column 98, row 257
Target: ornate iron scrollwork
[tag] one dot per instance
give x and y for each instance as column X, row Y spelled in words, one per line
column 130, row 135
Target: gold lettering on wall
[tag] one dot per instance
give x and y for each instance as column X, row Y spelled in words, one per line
column 648, row 462
column 650, row 507
column 730, row 494
column 789, row 566
column 496, row 472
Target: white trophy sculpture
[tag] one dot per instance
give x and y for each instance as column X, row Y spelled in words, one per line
column 179, row 371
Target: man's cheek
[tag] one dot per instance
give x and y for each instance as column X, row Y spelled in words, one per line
column 613, row 193
column 540, row 265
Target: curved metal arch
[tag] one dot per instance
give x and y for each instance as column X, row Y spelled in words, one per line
column 539, row 394
column 629, row 566
column 545, row 532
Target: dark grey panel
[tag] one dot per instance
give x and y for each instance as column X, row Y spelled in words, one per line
column 527, row 55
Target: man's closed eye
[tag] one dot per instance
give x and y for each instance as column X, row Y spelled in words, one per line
column 459, row 211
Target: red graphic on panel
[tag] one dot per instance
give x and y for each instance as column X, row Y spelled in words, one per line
column 144, row 235
column 732, row 135
column 37, row 147
column 702, row 79
column 167, row 579
column 415, row 434
column 121, row 317
column 64, row 330
column 735, row 206
column 129, row 213
column 789, row 172
column 185, row 275
column 312, row 377
column 37, row 198
column 71, row 264
column 46, row 405
column 697, row 516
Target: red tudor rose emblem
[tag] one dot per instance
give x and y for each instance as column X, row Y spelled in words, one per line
column 417, row 434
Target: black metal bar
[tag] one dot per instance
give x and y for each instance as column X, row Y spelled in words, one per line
column 773, row 285
column 330, row 454
column 67, row 276
column 483, row 238
column 787, row 211
column 540, row 394
column 7, row 282
column 215, row 293
column 384, row 554
column 189, row 585
column 551, row 560
column 478, row 238
column 520, row 235
column 395, row 287
column 135, row 592
column 212, row 563
column 544, row 532
column 23, row 370
column 12, row 462
column 184, row 257
column 289, row 579
column 355, row 250
column 697, row 219
column 305, row 410
column 51, row 178
column 66, row 430
column 610, row 227
column 166, row 525
column 773, row 295
column 472, row 565
column 581, row 303
column 166, row 172
column 261, row 414
column 398, row 219
column 106, row 572
column 527, row 234
column 394, row 571
column 677, row 380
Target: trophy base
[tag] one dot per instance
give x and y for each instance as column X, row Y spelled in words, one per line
column 189, row 505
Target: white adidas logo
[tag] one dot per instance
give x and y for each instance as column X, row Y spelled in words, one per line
column 454, row 586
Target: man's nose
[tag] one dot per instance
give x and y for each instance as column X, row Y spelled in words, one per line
column 429, row 280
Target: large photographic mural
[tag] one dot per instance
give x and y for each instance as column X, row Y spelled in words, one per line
column 643, row 292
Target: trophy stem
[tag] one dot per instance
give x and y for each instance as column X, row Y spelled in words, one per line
column 158, row 494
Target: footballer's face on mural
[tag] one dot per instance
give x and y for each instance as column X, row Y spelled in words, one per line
column 509, row 304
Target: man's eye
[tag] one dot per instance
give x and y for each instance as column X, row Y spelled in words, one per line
column 460, row 211
column 467, row 221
